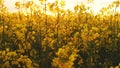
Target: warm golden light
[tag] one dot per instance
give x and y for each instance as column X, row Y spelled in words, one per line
column 96, row 5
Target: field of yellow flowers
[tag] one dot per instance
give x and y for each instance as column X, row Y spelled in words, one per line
column 67, row 39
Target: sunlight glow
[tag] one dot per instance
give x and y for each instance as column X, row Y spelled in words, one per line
column 51, row 1
column 96, row 5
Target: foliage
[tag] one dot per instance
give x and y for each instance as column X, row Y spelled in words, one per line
column 66, row 39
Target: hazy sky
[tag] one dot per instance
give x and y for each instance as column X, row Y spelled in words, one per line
column 96, row 5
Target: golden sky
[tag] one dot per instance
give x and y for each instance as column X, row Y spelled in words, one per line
column 96, row 5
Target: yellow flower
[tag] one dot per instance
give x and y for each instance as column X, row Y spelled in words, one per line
column 6, row 27
column 95, row 28
column 17, row 4
column 7, row 49
column 33, row 32
column 97, row 35
column 72, row 57
column 118, row 35
column 60, row 51
column 33, row 38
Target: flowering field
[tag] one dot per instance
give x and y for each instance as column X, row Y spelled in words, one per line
column 61, row 38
